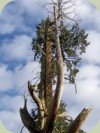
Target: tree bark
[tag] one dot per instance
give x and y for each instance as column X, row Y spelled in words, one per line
column 77, row 123
column 60, row 78
column 49, row 71
column 41, row 110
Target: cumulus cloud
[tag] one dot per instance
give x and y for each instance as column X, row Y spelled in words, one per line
column 18, row 15
column 17, row 48
column 9, row 119
column 11, row 19
column 6, row 80
column 9, row 112
column 93, row 50
column 88, row 15
column 18, row 78
column 29, row 72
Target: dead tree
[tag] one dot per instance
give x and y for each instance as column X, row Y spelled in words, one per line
column 47, row 102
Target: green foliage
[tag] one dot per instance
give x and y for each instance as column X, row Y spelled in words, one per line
column 73, row 44
column 61, row 123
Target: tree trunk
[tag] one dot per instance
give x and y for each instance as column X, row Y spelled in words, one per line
column 49, row 71
column 60, row 78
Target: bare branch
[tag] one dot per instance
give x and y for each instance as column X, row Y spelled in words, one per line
column 38, row 102
column 22, row 129
column 26, row 118
column 77, row 123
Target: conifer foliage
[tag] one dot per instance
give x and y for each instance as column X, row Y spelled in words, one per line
column 73, row 43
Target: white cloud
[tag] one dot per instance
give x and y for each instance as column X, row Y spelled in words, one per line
column 88, row 14
column 10, row 112
column 6, row 80
column 16, row 48
column 12, row 19
column 14, row 16
column 17, row 78
column 11, row 120
column 26, row 74
column 93, row 50
column 6, row 28
column 32, row 6
column 11, row 100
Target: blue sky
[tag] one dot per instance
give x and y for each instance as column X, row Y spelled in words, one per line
column 17, row 25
